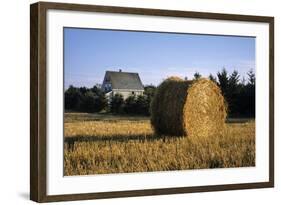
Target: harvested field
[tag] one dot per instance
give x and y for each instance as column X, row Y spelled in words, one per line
column 103, row 144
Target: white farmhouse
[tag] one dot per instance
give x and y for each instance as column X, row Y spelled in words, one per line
column 124, row 83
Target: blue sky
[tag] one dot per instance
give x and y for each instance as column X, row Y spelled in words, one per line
column 88, row 53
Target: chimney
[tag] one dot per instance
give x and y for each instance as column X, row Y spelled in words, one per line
column 120, row 70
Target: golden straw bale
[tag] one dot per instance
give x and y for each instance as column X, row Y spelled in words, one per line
column 194, row 108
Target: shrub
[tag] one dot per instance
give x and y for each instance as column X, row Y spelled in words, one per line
column 116, row 104
column 92, row 102
column 130, row 105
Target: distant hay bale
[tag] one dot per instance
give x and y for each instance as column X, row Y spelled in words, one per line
column 194, row 108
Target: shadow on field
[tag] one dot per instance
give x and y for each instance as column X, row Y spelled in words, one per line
column 239, row 120
column 84, row 117
column 117, row 138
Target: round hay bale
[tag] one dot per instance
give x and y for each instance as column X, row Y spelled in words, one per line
column 194, row 108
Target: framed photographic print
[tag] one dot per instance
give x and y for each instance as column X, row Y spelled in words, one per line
column 134, row 102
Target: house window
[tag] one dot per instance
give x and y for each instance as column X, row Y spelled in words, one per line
column 107, row 87
column 133, row 92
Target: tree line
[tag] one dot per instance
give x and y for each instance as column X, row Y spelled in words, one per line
column 239, row 96
column 93, row 100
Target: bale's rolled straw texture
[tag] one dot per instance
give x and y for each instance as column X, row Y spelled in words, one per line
column 194, row 108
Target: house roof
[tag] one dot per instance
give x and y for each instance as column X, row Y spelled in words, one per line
column 124, row 80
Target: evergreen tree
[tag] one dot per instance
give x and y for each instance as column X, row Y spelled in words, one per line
column 251, row 87
column 72, row 98
column 130, row 105
column 233, row 92
column 93, row 102
column 251, row 77
column 223, row 81
column 116, row 104
column 197, row 75
column 213, row 78
column 142, row 105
